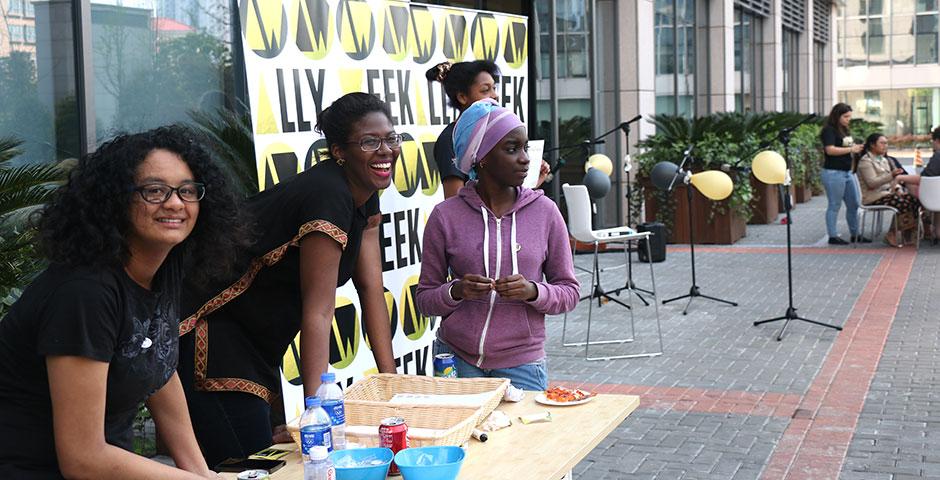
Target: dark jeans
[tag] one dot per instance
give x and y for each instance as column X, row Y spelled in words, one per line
column 227, row 424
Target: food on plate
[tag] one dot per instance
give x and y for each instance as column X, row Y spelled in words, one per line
column 566, row 395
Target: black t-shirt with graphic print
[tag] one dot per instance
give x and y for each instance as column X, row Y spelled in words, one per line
column 96, row 313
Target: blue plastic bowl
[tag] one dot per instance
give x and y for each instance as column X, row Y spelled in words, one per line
column 371, row 472
column 430, row 463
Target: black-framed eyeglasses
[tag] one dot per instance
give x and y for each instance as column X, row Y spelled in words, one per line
column 371, row 144
column 160, row 192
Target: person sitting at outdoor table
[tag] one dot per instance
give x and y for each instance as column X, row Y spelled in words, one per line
column 509, row 272
column 464, row 83
column 933, row 170
column 314, row 232
column 94, row 335
column 881, row 184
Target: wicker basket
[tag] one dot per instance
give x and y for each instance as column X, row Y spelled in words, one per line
column 451, row 425
column 379, row 388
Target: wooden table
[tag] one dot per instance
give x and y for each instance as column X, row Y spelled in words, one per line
column 537, row 451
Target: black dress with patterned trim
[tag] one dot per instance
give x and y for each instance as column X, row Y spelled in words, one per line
column 235, row 332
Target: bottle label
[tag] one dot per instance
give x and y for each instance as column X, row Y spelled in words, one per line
column 313, row 435
column 331, row 473
column 336, row 409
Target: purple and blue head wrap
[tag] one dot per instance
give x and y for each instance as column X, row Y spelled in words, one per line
column 479, row 128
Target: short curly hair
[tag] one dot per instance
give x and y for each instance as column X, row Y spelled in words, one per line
column 87, row 221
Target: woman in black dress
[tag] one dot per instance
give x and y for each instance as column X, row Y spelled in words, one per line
column 95, row 334
column 314, row 232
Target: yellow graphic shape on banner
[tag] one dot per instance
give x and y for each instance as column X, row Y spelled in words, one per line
column 425, row 34
column 420, row 104
column 356, row 28
column 278, row 163
column 455, row 32
column 413, row 323
column 264, row 26
column 392, row 317
column 517, row 43
column 317, row 153
column 265, row 112
column 416, row 167
column 312, row 27
column 350, row 79
column 396, row 30
column 484, row 36
column 344, row 343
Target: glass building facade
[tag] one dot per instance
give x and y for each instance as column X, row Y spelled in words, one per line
column 888, row 59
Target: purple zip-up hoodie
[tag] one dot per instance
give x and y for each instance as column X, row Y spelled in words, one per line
column 531, row 239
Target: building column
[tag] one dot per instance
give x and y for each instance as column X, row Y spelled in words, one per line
column 772, row 47
column 807, row 67
column 715, row 56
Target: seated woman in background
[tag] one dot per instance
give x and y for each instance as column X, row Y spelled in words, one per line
column 509, row 272
column 94, row 335
column 881, row 184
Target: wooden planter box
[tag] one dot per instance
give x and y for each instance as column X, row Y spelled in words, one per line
column 765, row 203
column 723, row 229
column 803, row 193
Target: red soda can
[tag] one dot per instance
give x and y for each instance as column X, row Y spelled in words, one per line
column 393, row 434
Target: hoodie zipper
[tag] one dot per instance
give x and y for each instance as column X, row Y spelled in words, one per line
column 489, row 313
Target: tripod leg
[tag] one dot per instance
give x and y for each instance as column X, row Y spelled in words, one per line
column 783, row 329
column 720, row 300
column 685, row 311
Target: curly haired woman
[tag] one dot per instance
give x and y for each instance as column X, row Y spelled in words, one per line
column 94, row 335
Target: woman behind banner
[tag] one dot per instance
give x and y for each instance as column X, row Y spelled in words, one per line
column 464, row 83
column 494, row 308
column 95, row 334
column 314, row 232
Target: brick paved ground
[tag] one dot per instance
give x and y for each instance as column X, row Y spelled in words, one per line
column 727, row 400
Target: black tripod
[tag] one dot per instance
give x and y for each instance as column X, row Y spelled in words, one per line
column 784, row 138
column 694, row 291
column 628, row 284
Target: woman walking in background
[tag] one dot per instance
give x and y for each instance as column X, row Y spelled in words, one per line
column 837, row 176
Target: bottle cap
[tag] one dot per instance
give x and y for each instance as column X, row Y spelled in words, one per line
column 319, row 452
column 328, row 377
column 312, row 401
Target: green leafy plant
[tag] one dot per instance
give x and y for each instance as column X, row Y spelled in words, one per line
column 228, row 136
column 23, row 189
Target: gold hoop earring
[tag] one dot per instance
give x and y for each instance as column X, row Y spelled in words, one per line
column 340, row 161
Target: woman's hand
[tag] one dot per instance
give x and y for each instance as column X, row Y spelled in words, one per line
column 472, row 287
column 897, row 171
column 856, row 148
column 516, row 287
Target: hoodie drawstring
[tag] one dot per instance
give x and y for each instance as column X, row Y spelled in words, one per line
column 486, row 242
column 513, row 246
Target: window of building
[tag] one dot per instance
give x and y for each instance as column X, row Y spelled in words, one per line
column 15, row 7
column 572, row 38
column 748, row 60
column 30, row 10
column 38, row 104
column 674, row 53
column 821, row 72
column 878, row 32
column 791, row 70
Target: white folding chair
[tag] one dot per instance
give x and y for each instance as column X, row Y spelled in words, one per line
column 930, row 195
column 580, row 212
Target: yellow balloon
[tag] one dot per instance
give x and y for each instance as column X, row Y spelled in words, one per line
column 769, row 167
column 601, row 162
column 714, row 184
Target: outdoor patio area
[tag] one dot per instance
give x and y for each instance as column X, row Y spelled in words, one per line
column 727, row 400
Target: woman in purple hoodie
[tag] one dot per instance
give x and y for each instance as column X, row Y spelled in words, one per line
column 506, row 248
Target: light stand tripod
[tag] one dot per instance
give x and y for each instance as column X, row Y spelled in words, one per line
column 784, row 137
column 694, row 291
column 628, row 285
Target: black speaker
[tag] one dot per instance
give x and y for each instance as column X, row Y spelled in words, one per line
column 657, row 242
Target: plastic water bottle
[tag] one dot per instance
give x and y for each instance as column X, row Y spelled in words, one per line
column 314, row 428
column 332, row 398
column 319, row 467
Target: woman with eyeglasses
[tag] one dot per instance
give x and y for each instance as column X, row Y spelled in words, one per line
column 314, row 232
column 95, row 334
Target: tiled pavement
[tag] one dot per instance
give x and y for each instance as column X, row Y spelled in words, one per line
column 727, row 400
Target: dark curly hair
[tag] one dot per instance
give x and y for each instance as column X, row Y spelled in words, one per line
column 459, row 77
column 87, row 221
column 336, row 121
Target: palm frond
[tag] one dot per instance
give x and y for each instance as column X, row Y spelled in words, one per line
column 9, row 148
column 230, row 140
